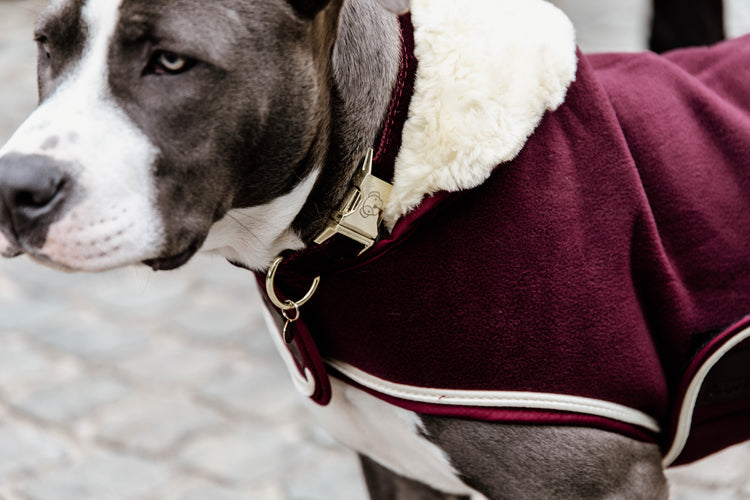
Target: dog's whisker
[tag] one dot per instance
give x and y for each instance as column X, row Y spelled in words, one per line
column 247, row 229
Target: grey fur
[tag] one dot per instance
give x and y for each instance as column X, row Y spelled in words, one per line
column 504, row 461
column 365, row 63
column 397, row 6
column 366, row 33
column 283, row 108
column 261, row 92
column 60, row 34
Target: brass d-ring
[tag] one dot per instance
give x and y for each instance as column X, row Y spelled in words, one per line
column 271, row 290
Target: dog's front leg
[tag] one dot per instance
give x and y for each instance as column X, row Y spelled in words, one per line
column 383, row 484
column 505, row 461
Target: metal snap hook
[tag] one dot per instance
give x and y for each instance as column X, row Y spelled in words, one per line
column 287, row 304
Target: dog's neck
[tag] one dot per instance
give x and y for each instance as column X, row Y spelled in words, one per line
column 364, row 68
column 497, row 93
column 358, row 57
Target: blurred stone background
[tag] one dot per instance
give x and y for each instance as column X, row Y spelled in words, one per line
column 138, row 385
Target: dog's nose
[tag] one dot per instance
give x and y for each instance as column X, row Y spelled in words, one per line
column 32, row 190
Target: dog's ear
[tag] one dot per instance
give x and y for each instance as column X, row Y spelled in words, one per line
column 396, row 6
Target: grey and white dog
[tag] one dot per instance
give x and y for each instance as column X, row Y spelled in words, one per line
column 172, row 126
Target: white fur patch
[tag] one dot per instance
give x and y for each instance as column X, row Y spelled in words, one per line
column 254, row 236
column 488, row 70
column 114, row 221
column 53, row 5
column 389, row 435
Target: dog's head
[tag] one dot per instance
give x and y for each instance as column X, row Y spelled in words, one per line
column 159, row 119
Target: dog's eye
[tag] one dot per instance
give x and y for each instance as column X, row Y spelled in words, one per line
column 163, row 62
column 171, row 62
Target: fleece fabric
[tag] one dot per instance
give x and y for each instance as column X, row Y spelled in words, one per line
column 608, row 260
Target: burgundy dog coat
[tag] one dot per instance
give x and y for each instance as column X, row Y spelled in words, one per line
column 600, row 278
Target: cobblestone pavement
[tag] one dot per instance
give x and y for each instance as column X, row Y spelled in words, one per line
column 140, row 385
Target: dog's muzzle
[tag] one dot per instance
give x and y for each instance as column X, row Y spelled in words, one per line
column 33, row 194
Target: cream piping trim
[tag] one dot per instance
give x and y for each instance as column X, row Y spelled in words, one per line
column 691, row 397
column 501, row 399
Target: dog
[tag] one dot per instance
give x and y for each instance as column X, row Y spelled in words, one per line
column 245, row 129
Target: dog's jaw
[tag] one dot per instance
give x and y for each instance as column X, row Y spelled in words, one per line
column 252, row 237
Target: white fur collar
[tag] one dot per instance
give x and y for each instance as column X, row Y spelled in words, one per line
column 488, row 70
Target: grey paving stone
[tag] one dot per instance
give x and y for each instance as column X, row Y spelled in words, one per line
column 17, row 58
column 698, row 493
column 307, row 483
column 16, row 314
column 167, row 361
column 257, row 338
column 222, row 274
column 22, row 365
column 745, row 488
column 154, row 424
column 737, row 18
column 609, row 25
column 257, row 342
column 9, row 289
column 261, row 389
column 139, row 292
column 211, row 317
column 240, row 458
column 211, row 492
column 730, row 466
column 24, row 449
column 92, row 336
column 37, row 282
column 100, row 478
column 65, row 401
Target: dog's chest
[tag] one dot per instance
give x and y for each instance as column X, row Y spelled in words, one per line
column 388, row 434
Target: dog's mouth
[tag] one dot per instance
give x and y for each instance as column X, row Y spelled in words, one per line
column 11, row 248
column 174, row 261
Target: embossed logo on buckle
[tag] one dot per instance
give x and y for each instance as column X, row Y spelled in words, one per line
column 361, row 212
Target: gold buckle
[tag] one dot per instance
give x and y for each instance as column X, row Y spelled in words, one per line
column 361, row 212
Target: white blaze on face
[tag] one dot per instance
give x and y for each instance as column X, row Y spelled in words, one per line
column 112, row 219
